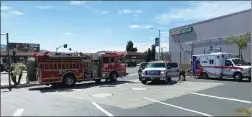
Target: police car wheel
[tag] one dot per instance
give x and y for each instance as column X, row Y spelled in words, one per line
column 144, row 82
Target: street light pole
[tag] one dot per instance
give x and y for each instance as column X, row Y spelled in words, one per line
column 159, row 43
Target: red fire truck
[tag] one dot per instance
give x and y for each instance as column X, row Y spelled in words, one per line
column 67, row 70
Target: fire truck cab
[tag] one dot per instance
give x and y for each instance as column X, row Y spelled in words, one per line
column 68, row 69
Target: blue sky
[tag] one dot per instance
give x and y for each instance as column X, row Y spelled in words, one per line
column 91, row 26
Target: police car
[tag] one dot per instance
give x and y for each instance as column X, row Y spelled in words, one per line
column 156, row 71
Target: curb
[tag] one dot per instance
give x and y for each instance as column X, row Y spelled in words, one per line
column 19, row 86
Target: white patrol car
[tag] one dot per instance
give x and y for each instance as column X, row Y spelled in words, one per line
column 157, row 70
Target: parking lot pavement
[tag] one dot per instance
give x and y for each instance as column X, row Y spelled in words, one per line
column 128, row 97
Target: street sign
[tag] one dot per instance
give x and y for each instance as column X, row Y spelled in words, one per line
column 157, row 41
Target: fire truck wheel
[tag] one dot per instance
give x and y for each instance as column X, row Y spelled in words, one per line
column 69, row 80
column 113, row 77
column 98, row 81
column 238, row 77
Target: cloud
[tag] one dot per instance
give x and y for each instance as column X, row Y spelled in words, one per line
column 135, row 13
column 104, row 12
column 43, row 7
column 140, row 26
column 202, row 11
column 3, row 8
column 16, row 12
column 77, row 3
column 106, row 31
column 68, row 33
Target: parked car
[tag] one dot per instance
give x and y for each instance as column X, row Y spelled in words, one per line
column 141, row 67
column 156, row 71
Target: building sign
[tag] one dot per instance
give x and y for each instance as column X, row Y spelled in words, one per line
column 24, row 47
column 181, row 31
column 157, row 42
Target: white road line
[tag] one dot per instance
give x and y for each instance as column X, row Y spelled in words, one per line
column 18, row 112
column 101, row 109
column 223, row 98
column 132, row 74
column 178, row 107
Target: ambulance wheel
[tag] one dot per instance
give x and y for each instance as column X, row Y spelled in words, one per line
column 97, row 81
column 238, row 77
column 69, row 80
column 203, row 75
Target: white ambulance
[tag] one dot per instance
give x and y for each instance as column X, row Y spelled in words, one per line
column 220, row 65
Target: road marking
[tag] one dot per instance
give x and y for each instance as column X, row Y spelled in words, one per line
column 101, row 109
column 133, row 74
column 223, row 98
column 178, row 107
column 18, row 112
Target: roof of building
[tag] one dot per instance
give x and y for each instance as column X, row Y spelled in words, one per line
column 231, row 14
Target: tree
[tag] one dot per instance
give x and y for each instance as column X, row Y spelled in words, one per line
column 241, row 42
column 130, row 47
column 153, row 52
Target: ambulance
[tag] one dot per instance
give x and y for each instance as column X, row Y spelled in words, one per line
column 220, row 65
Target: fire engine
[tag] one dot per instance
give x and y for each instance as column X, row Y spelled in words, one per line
column 220, row 65
column 67, row 69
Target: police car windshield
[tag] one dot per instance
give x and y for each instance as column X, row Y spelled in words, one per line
column 240, row 62
column 156, row 65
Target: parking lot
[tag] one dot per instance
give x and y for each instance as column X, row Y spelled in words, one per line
column 128, row 97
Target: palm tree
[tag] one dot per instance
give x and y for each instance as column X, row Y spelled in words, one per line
column 243, row 111
column 241, row 42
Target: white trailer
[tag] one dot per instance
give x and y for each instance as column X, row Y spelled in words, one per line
column 220, row 65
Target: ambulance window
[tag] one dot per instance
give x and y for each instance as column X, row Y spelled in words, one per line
column 105, row 60
column 112, row 60
column 228, row 63
column 211, row 61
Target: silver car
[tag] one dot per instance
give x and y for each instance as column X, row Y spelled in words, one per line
column 156, row 71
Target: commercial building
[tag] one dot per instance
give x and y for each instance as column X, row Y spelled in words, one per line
column 209, row 36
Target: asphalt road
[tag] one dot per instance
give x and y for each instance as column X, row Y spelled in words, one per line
column 128, row 97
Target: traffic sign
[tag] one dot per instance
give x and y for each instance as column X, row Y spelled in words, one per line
column 157, row 41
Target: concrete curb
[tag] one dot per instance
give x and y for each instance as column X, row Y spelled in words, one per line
column 19, row 86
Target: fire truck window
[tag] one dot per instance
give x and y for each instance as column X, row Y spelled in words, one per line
column 77, row 66
column 81, row 65
column 105, row 60
column 70, row 65
column 59, row 66
column 55, row 66
column 120, row 60
column 42, row 66
column 112, row 60
column 51, row 66
column 63, row 66
column 46, row 66
column 67, row 66
column 74, row 66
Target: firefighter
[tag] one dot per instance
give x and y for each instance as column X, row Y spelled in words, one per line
column 18, row 69
column 182, row 75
